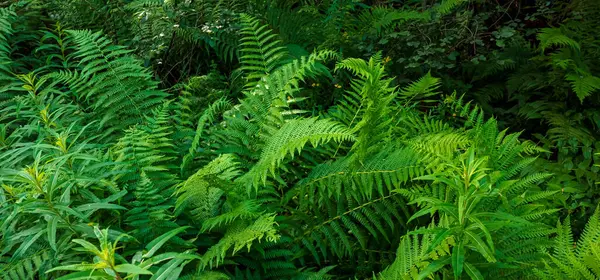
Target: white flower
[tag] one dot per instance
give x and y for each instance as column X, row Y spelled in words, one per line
column 206, row 29
column 176, row 25
column 161, row 34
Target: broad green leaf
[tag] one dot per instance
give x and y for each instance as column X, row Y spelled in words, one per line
column 441, row 236
column 85, row 275
column 70, row 211
column 166, row 271
column 461, row 208
column 477, row 223
column 52, row 232
column 174, row 275
column 131, row 269
column 167, row 256
column 433, row 267
column 98, row 206
column 435, row 178
column 88, row 246
column 75, row 267
column 115, row 196
column 473, row 272
column 422, row 212
column 449, row 209
column 27, row 243
column 155, row 244
column 458, row 258
column 480, row 246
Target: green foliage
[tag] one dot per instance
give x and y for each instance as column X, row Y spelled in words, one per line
column 261, row 51
column 582, row 85
column 415, row 253
column 126, row 88
column 9, row 83
column 276, row 139
column 201, row 191
column 550, row 37
column 292, row 137
column 574, row 260
column 106, row 266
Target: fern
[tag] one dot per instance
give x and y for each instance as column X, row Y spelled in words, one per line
column 147, row 148
column 208, row 116
column 9, row 84
column 150, row 211
column 240, row 236
column 574, row 260
column 261, row 52
column 550, row 37
column 127, row 90
column 29, row 267
column 372, row 121
column 346, row 226
column 265, row 108
column 201, row 193
column 223, row 139
column 448, row 5
column 416, row 254
column 471, row 187
column 583, row 85
column 291, row 138
column 380, row 19
column 382, row 173
column 425, row 87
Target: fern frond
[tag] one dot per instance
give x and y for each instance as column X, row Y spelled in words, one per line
column 148, row 148
column 149, row 212
column 111, row 82
column 292, row 137
column 448, row 5
column 550, row 37
column 381, row 173
column 347, row 223
column 380, row 18
column 442, row 145
column 202, row 191
column 414, row 255
column 583, row 85
column 261, row 51
column 265, row 107
column 208, row 116
column 247, row 209
column 9, row 85
column 371, row 119
column 239, row 236
column 426, row 86
column 579, row 261
column 29, row 267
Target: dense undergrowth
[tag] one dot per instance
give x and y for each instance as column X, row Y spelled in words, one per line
column 299, row 139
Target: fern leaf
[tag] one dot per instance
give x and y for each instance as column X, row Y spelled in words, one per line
column 426, row 86
column 201, row 191
column 111, row 82
column 583, row 85
column 240, row 236
column 448, row 5
column 550, row 37
column 261, row 52
column 292, row 137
